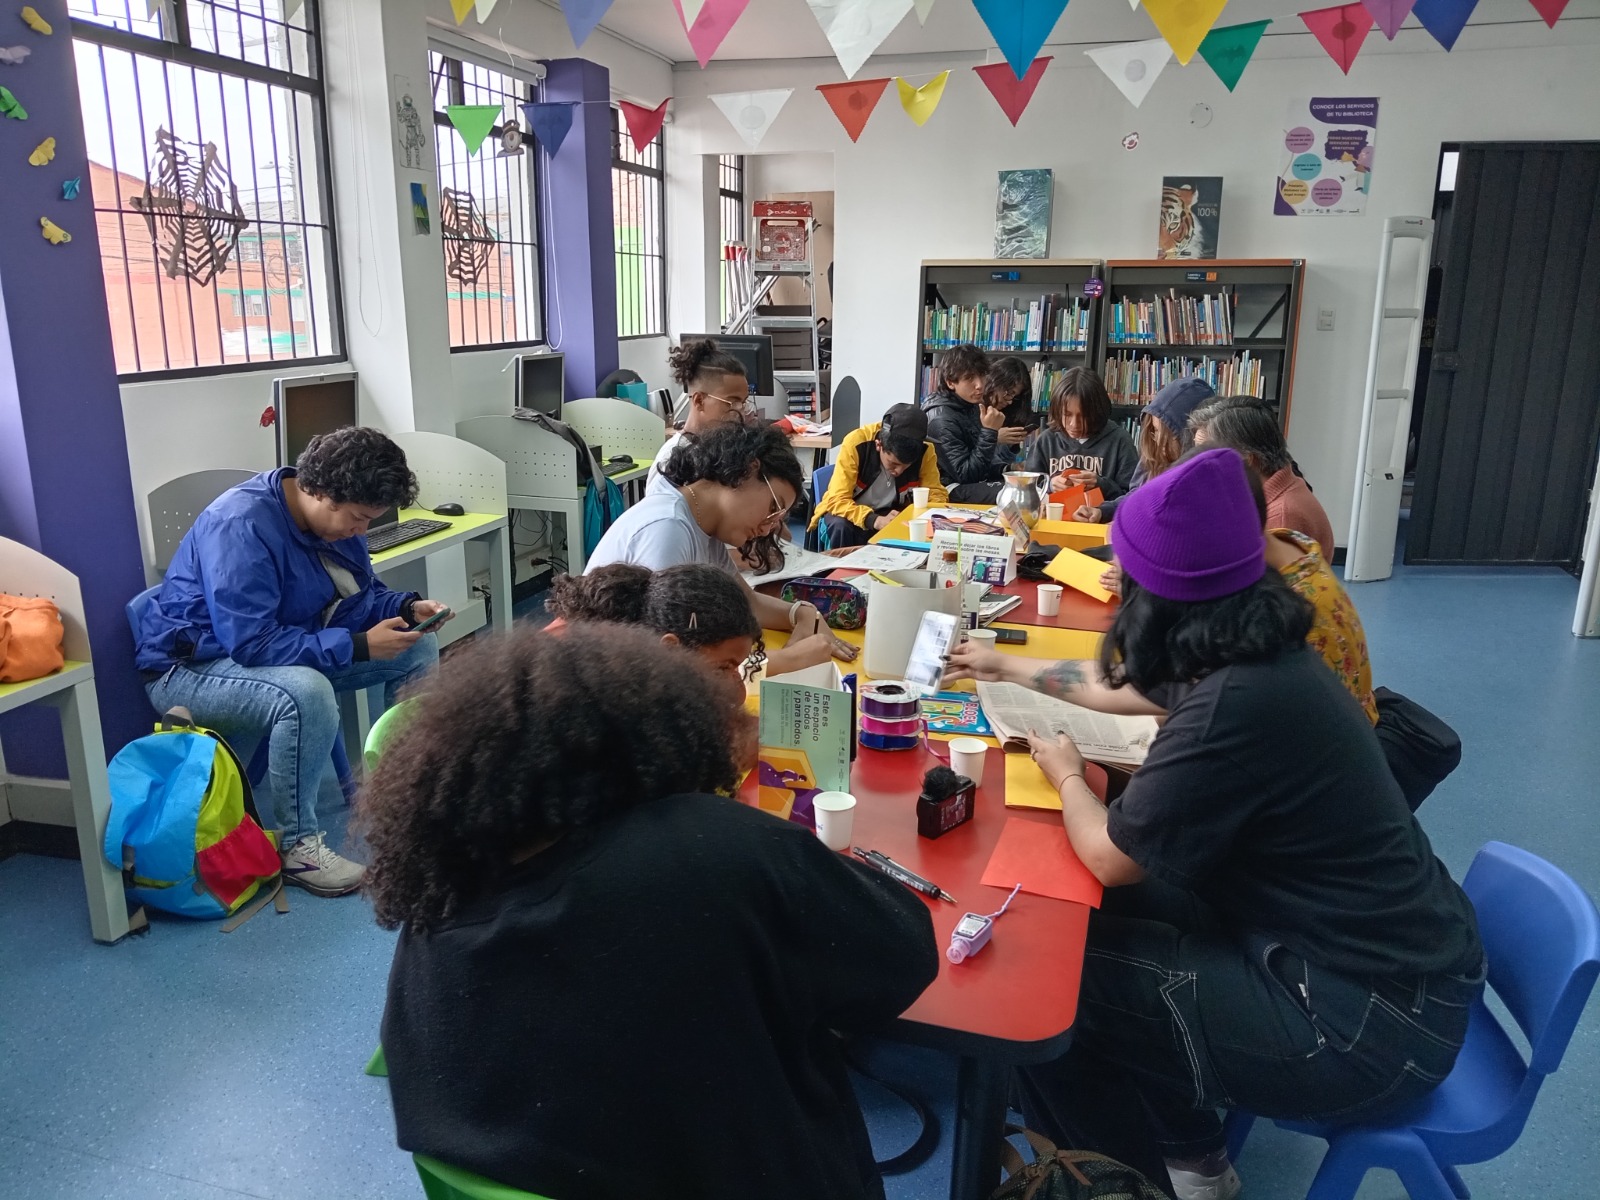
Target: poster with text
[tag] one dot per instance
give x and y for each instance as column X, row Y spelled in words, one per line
column 1327, row 152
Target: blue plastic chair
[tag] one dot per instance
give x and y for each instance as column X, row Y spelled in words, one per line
column 820, row 479
column 1542, row 937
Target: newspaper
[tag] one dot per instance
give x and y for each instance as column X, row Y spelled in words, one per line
column 882, row 558
column 1014, row 710
column 797, row 562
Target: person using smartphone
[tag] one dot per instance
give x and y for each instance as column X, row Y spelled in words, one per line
column 271, row 606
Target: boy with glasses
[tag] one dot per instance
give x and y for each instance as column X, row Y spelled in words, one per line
column 718, row 392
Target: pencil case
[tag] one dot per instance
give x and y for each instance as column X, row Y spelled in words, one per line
column 841, row 606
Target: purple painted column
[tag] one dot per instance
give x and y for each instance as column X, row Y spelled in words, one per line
column 65, row 487
column 580, row 266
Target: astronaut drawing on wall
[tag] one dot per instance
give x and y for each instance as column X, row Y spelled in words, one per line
column 412, row 142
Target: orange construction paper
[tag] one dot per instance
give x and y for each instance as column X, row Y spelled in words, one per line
column 1079, row 572
column 1073, row 497
column 1042, row 860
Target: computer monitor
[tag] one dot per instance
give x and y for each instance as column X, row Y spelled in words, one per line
column 754, row 350
column 541, row 382
column 307, row 405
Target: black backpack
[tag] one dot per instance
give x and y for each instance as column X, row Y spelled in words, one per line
column 1067, row 1174
column 1420, row 747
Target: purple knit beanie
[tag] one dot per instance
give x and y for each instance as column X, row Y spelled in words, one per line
column 1193, row 532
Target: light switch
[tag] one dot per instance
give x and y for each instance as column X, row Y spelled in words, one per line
column 1324, row 320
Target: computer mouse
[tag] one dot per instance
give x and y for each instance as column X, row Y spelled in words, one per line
column 450, row 510
column 620, row 458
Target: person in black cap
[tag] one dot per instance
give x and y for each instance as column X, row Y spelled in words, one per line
column 878, row 466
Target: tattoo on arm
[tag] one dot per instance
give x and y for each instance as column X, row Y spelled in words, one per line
column 1059, row 679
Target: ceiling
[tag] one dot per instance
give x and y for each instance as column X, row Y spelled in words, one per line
column 786, row 29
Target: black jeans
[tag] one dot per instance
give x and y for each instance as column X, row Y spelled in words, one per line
column 975, row 493
column 1179, row 1017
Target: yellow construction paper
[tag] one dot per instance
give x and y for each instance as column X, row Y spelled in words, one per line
column 43, row 152
column 1079, row 571
column 1080, row 535
column 1026, row 786
column 919, row 103
column 30, row 17
column 461, row 8
column 52, row 232
column 1184, row 23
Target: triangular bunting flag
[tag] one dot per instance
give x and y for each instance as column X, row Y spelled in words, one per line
column 582, row 16
column 1227, row 50
column 461, row 8
column 751, row 113
column 856, row 28
column 1020, row 27
column 1012, row 93
column 550, row 123
column 291, row 10
column 1133, row 4
column 1184, row 23
column 853, row 102
column 484, row 8
column 1391, row 14
column 643, row 123
column 1550, row 10
column 919, row 102
column 924, row 7
column 473, row 122
column 1341, row 31
column 1133, row 66
column 710, row 23
column 1445, row 19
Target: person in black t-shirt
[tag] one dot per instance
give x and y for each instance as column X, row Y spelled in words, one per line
column 1277, row 934
column 609, row 982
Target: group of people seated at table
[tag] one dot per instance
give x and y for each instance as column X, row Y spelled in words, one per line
column 614, row 978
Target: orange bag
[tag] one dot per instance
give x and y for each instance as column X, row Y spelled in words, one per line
column 30, row 638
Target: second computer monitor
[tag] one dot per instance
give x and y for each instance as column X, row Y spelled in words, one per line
column 307, row 405
column 754, row 350
column 541, row 382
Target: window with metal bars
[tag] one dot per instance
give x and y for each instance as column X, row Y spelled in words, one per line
column 488, row 210
column 638, row 206
column 730, row 200
column 208, row 170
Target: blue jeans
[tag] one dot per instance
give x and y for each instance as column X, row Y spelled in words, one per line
column 294, row 707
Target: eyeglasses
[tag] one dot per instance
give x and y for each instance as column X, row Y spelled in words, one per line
column 780, row 510
column 738, row 404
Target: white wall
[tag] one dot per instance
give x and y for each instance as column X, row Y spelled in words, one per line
column 647, row 356
column 904, row 194
column 766, row 174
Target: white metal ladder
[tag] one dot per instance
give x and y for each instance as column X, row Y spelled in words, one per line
column 1386, row 415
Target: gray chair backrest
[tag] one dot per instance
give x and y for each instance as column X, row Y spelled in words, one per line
column 846, row 408
column 175, row 504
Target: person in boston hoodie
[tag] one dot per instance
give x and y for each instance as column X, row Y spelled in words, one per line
column 1081, row 445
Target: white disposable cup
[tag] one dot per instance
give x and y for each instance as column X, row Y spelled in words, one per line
column 1055, row 512
column 966, row 757
column 1049, row 599
column 920, row 529
column 919, row 499
column 836, row 818
column 984, row 637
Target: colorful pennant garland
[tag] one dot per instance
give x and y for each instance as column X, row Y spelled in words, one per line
column 461, row 8
column 550, row 123
column 1550, row 10
column 1389, row 14
column 1229, row 48
column 1341, row 31
column 1133, row 66
column 473, row 122
column 1184, row 23
column 1445, row 19
column 707, row 22
column 919, row 102
column 1011, row 93
column 853, row 102
column 643, row 123
column 1020, row 27
column 484, row 8
column 751, row 113
column 856, row 28
column 582, row 17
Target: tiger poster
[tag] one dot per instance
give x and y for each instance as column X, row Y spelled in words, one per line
column 1191, row 210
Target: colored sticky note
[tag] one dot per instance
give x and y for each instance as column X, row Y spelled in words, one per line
column 1079, row 572
column 1041, row 859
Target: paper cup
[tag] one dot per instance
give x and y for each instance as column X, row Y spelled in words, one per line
column 1049, row 599
column 1055, row 512
column 984, row 637
column 966, row 758
column 919, row 499
column 921, row 529
column 836, row 817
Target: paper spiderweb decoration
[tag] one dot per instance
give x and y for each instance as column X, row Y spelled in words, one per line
column 467, row 236
column 192, row 208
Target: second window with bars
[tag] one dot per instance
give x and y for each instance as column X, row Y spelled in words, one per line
column 638, row 200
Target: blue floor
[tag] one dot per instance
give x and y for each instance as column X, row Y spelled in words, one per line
column 192, row 1065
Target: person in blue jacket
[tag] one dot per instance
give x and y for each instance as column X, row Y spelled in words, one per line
column 271, row 606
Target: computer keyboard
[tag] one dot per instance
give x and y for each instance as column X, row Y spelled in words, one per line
column 387, row 537
column 609, row 469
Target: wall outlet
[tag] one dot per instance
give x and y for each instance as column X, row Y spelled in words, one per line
column 1324, row 320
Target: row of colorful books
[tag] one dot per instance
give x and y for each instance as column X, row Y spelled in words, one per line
column 1135, row 379
column 1173, row 320
column 1048, row 323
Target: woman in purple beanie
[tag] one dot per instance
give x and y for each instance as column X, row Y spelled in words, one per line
column 1277, row 935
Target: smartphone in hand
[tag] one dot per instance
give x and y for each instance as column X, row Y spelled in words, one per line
column 429, row 622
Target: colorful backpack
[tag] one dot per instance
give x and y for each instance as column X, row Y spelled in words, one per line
column 183, row 827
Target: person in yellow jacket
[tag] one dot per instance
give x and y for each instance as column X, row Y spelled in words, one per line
column 878, row 467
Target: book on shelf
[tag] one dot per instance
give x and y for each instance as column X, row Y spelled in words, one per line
column 1136, row 378
column 1052, row 322
column 1173, row 320
column 1191, row 210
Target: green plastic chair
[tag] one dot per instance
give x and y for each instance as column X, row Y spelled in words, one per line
column 384, row 730
column 443, row 1182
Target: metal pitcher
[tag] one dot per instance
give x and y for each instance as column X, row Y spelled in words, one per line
column 1021, row 503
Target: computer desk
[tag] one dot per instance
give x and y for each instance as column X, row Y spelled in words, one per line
column 489, row 528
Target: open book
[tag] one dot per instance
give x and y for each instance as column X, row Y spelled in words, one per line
column 1013, row 710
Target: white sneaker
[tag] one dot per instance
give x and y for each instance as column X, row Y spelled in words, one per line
column 1209, row 1178
column 310, row 864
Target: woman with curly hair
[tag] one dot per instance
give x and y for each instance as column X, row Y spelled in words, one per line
column 608, row 981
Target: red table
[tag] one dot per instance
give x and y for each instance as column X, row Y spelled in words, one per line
column 1077, row 610
column 1014, row 1003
